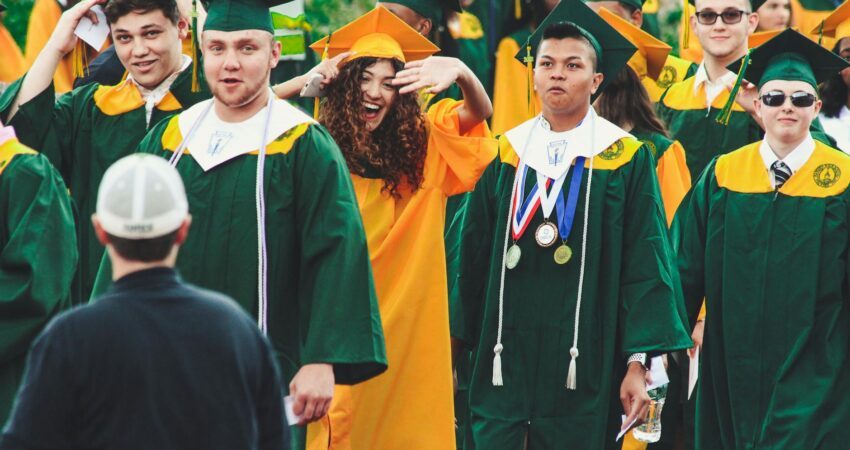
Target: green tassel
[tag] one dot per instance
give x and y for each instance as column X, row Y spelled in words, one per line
column 820, row 33
column 196, row 84
column 529, row 69
column 726, row 112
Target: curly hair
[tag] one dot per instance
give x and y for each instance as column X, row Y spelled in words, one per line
column 395, row 150
column 833, row 91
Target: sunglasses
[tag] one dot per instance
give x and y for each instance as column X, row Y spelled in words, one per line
column 730, row 16
column 799, row 99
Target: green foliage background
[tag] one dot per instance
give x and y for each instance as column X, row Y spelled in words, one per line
column 324, row 15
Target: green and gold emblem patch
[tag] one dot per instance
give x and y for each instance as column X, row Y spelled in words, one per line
column 613, row 152
column 651, row 146
column 667, row 77
column 826, row 175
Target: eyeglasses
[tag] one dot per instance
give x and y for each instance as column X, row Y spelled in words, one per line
column 730, row 16
column 799, row 99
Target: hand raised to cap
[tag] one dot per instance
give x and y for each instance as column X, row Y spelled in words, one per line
column 63, row 40
column 436, row 73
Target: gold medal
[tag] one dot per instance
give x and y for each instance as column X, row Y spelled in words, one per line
column 512, row 256
column 546, row 234
column 563, row 254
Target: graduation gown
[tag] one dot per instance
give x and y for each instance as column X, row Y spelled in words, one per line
column 44, row 16
column 13, row 61
column 674, row 180
column 774, row 272
column 322, row 306
column 410, row 406
column 472, row 48
column 83, row 133
column 674, row 70
column 630, row 304
column 510, row 94
column 38, row 257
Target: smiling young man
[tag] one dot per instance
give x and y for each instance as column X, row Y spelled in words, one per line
column 763, row 239
column 561, row 300
column 275, row 215
column 90, row 128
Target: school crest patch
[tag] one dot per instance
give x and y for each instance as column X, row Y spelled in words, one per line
column 826, row 175
column 613, row 152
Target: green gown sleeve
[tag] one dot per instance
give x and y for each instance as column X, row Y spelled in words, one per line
column 340, row 321
column 688, row 236
column 38, row 253
column 652, row 313
column 478, row 218
column 29, row 122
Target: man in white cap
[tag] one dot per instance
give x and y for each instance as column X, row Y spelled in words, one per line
column 154, row 362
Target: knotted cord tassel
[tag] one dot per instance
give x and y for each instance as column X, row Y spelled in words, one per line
column 529, row 69
column 726, row 112
column 497, row 365
column 79, row 59
column 317, row 100
column 196, row 83
column 517, row 9
column 571, row 373
column 686, row 25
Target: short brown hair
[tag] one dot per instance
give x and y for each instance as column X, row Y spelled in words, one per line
column 144, row 250
column 116, row 9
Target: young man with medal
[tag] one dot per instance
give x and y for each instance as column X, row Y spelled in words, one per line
column 88, row 129
column 275, row 217
column 566, row 276
column 762, row 237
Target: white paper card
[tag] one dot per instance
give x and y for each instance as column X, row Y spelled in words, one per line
column 94, row 35
column 693, row 372
column 657, row 373
column 291, row 418
column 625, row 429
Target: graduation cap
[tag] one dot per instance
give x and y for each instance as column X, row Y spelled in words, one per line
column 237, row 15
column 686, row 23
column 612, row 49
column 431, row 9
column 378, row 33
column 637, row 4
column 652, row 52
column 836, row 25
column 2, row 7
column 788, row 56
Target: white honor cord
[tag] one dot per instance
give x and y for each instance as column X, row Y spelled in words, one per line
column 571, row 373
column 178, row 153
column 262, row 257
column 497, row 359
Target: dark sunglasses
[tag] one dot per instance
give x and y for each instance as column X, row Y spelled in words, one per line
column 730, row 16
column 799, row 99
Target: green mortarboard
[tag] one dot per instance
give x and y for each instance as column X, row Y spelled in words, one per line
column 430, row 9
column 790, row 56
column 613, row 50
column 637, row 4
column 237, row 15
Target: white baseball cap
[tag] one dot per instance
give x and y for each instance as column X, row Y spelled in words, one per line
column 141, row 197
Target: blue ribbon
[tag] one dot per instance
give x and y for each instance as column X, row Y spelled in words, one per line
column 523, row 207
column 566, row 215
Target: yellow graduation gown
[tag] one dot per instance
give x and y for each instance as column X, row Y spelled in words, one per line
column 13, row 66
column 510, row 94
column 43, row 19
column 410, row 406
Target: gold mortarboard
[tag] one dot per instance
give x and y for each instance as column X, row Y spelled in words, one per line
column 835, row 25
column 651, row 53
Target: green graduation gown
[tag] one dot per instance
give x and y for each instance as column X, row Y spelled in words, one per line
column 773, row 269
column 38, row 257
column 322, row 306
column 693, row 124
column 630, row 304
column 82, row 134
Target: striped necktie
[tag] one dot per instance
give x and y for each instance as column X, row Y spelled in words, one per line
column 781, row 173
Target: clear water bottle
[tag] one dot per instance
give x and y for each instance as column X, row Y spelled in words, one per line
column 650, row 431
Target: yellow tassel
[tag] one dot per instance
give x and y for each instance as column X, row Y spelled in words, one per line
column 529, row 69
column 80, row 60
column 316, row 108
column 686, row 25
column 518, row 9
column 196, row 83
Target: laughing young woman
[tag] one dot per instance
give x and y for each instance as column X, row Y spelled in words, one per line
column 405, row 161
